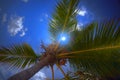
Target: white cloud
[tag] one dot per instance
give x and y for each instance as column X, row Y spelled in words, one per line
column 16, row 25
column 79, row 26
column 23, row 32
column 39, row 76
column 81, row 12
column 25, row 1
column 41, row 20
column 46, row 15
column 4, row 18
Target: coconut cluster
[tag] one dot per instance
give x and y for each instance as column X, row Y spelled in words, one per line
column 53, row 50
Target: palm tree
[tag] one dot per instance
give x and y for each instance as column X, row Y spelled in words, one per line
column 95, row 49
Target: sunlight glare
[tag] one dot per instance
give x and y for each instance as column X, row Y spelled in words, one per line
column 63, row 38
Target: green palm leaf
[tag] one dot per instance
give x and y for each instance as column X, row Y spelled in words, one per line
column 64, row 18
column 18, row 55
column 94, row 49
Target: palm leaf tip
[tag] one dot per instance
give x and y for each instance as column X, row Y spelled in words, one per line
column 18, row 55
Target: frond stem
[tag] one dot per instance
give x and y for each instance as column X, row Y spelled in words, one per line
column 62, row 71
column 52, row 69
column 64, row 25
column 89, row 50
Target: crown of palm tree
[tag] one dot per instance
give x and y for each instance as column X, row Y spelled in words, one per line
column 52, row 50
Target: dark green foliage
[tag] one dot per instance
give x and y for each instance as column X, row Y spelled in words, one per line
column 97, row 34
column 18, row 55
column 104, row 63
column 78, row 75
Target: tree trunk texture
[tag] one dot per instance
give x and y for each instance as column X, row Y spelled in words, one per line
column 52, row 69
column 28, row 73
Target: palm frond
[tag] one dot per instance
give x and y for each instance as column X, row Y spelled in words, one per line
column 103, row 62
column 89, row 43
column 64, row 17
column 18, row 55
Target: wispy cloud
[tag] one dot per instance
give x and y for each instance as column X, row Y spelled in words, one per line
column 16, row 25
column 0, row 9
column 25, row 1
column 4, row 18
column 39, row 76
column 41, row 20
column 81, row 12
column 23, row 32
column 79, row 26
column 45, row 16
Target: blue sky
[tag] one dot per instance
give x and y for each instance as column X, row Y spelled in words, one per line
column 27, row 21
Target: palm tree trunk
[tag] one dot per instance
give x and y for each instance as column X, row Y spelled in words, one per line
column 28, row 73
column 52, row 69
